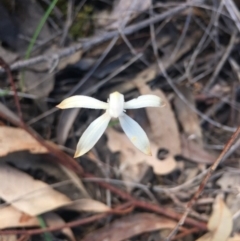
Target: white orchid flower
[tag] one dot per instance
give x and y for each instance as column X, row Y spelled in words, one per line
column 115, row 108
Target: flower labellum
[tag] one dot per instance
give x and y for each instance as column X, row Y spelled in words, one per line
column 114, row 109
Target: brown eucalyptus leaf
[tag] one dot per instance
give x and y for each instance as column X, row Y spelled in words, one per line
column 16, row 139
column 127, row 227
column 10, row 217
column 132, row 160
column 28, row 195
column 219, row 224
column 186, row 116
column 88, row 205
column 164, row 130
column 195, row 152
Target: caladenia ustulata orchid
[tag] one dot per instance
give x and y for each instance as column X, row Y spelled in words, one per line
column 115, row 108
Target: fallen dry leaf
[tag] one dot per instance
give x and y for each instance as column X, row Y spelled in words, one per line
column 195, row 152
column 72, row 59
column 76, row 180
column 11, row 217
column 16, row 139
column 30, row 196
column 130, row 226
column 236, row 237
column 164, row 130
column 88, row 205
column 163, row 134
column 132, row 161
column 186, row 116
column 229, row 182
column 8, row 237
column 125, row 10
column 220, row 223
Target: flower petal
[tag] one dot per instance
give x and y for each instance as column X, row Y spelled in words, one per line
column 135, row 133
column 143, row 101
column 92, row 134
column 81, row 101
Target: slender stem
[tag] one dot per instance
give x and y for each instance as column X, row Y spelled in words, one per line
column 35, row 36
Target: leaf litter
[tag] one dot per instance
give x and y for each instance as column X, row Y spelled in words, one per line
column 198, row 46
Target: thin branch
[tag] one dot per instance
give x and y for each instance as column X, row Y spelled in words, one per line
column 61, row 156
column 221, row 62
column 5, row 66
column 203, row 183
column 119, row 210
column 73, row 165
column 96, row 40
column 214, row 165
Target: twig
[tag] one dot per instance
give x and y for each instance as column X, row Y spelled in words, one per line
column 72, row 164
column 221, row 62
column 5, row 66
column 119, row 210
column 148, row 206
column 68, row 22
column 96, row 40
column 204, row 181
column 62, row 157
column 92, row 89
column 201, row 42
column 233, row 11
column 215, row 164
column 185, row 233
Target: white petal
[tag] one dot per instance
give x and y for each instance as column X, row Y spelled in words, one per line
column 135, row 133
column 143, row 101
column 92, row 134
column 116, row 102
column 81, row 101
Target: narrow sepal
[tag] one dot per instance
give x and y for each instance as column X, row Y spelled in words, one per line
column 92, row 134
column 135, row 133
column 81, row 101
column 143, row 101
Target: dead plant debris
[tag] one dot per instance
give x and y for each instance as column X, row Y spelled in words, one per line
column 185, row 52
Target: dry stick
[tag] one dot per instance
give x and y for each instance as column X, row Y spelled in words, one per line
column 73, row 165
column 215, row 164
column 185, row 233
column 97, row 39
column 8, row 71
column 147, row 206
column 62, row 157
column 119, row 210
column 221, row 62
column 204, row 181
